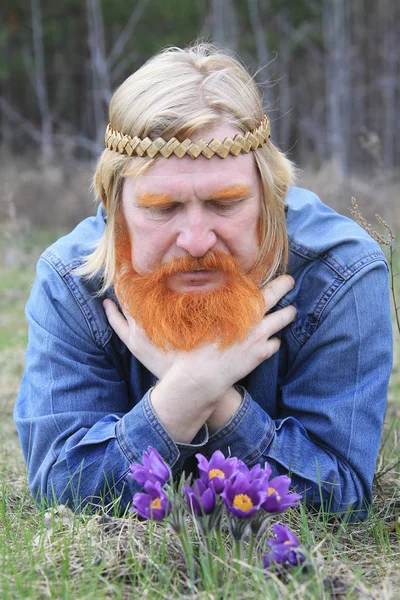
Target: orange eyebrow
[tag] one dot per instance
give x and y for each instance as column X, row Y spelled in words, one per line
column 234, row 191
column 154, row 199
column 148, row 199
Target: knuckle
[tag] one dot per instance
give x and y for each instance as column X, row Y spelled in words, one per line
column 273, row 346
column 278, row 288
column 259, row 335
column 271, row 298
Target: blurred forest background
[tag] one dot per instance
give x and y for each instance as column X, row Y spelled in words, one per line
column 329, row 71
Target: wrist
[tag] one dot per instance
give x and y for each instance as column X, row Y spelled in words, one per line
column 181, row 407
column 227, row 406
column 193, row 381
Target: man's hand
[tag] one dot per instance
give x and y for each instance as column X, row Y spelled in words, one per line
column 133, row 336
column 229, row 403
column 214, row 370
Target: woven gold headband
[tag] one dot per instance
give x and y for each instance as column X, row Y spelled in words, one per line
column 125, row 144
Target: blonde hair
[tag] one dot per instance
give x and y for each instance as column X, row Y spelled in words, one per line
column 177, row 93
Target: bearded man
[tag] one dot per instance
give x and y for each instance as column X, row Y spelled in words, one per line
column 208, row 305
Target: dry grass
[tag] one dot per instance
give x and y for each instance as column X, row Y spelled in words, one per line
column 376, row 192
column 37, row 197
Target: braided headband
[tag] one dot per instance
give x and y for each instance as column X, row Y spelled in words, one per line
column 125, row 144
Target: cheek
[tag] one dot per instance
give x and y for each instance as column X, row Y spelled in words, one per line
column 149, row 246
column 248, row 228
column 242, row 240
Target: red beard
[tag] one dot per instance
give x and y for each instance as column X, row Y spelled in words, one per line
column 184, row 320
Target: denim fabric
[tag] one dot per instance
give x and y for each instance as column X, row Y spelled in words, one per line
column 314, row 409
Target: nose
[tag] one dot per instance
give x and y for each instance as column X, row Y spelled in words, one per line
column 196, row 235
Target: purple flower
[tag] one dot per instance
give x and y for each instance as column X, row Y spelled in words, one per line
column 284, row 548
column 200, row 498
column 153, row 505
column 153, row 469
column 242, row 496
column 278, row 499
column 260, row 474
column 283, row 536
column 215, row 472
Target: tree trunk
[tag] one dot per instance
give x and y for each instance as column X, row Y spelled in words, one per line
column 47, row 147
column 337, row 80
column 261, row 48
column 224, row 22
column 101, row 91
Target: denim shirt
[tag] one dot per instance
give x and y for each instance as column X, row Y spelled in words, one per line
column 315, row 409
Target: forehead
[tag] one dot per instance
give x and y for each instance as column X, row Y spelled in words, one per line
column 206, row 175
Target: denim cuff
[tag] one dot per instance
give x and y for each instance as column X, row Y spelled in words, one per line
column 198, row 442
column 141, row 428
column 247, row 435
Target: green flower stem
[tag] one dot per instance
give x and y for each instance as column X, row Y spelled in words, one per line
column 187, row 548
column 211, row 575
column 221, row 545
column 237, row 553
column 251, row 549
column 210, row 555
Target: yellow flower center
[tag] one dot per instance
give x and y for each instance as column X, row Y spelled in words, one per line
column 288, row 542
column 216, row 473
column 273, row 491
column 156, row 503
column 243, row 502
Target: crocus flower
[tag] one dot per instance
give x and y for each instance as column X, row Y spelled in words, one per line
column 278, row 499
column 153, row 469
column 152, row 505
column 284, row 548
column 215, row 472
column 242, row 496
column 259, row 473
column 200, row 498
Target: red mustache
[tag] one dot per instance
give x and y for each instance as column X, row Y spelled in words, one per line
column 212, row 261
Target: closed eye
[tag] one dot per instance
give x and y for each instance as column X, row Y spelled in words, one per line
column 218, row 205
column 226, row 206
column 160, row 210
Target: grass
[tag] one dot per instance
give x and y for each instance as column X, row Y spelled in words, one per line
column 57, row 554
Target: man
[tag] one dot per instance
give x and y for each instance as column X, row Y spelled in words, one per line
column 208, row 305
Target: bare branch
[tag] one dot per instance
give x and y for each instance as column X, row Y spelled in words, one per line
column 119, row 68
column 126, row 34
column 80, row 141
column 20, row 121
column 15, row 117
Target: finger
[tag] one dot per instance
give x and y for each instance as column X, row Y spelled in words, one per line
column 273, row 346
column 116, row 320
column 278, row 320
column 276, row 289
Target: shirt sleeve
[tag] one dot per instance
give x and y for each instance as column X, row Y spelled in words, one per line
column 332, row 403
column 79, row 427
